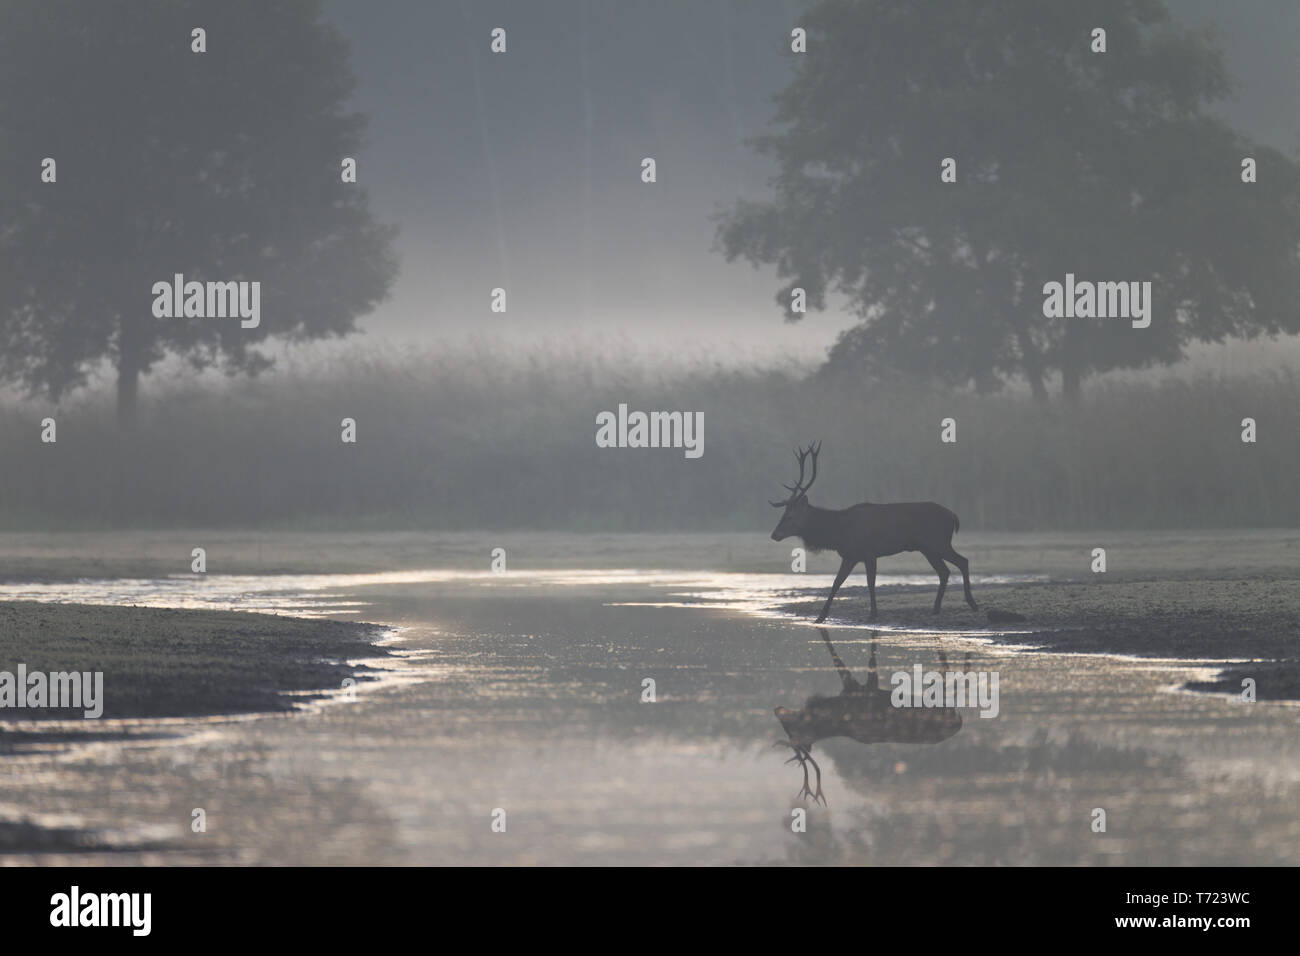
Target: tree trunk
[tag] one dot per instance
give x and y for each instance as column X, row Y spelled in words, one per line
column 128, row 372
column 1070, row 384
column 1036, row 385
column 1032, row 364
column 128, row 394
column 1070, row 366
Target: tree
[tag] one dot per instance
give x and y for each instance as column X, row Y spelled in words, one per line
column 1107, row 165
column 222, row 166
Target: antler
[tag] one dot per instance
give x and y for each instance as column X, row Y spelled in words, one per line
column 799, row 488
column 805, row 757
column 813, row 450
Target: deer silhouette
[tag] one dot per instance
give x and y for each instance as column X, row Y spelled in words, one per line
column 861, row 712
column 864, row 532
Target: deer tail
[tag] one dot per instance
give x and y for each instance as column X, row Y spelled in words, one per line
column 956, row 523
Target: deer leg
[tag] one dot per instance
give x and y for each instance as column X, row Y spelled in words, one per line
column 846, row 675
column 845, row 567
column 940, row 569
column 964, row 566
column 871, row 584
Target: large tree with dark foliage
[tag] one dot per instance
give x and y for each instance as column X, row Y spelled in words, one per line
column 221, row 165
column 1111, row 166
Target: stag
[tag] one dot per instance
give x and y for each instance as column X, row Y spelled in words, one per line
column 865, row 532
column 861, row 712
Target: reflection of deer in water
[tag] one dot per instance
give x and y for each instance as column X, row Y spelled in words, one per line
column 862, row 712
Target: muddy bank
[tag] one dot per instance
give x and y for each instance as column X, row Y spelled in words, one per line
column 161, row 662
column 1254, row 619
column 24, row 837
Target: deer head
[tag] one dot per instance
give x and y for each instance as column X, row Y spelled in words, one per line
column 795, row 516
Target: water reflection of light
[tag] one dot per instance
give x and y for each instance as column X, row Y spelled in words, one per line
column 303, row 594
column 767, row 595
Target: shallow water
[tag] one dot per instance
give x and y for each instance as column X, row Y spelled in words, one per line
column 523, row 691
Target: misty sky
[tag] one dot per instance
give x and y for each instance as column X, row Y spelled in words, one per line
column 523, row 170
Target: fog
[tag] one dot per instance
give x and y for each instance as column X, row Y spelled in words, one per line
column 522, row 171
column 520, row 179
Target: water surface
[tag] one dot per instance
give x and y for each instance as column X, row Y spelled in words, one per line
column 523, row 692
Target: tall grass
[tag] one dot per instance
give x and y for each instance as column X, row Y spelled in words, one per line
column 480, row 441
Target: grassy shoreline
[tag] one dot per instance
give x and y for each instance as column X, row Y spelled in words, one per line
column 162, row 662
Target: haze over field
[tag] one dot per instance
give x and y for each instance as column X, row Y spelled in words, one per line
column 531, row 164
column 521, row 171
column 365, row 315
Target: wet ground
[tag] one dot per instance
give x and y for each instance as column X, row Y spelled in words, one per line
column 523, row 696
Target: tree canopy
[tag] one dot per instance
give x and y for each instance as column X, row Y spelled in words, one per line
column 222, row 165
column 1109, row 165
